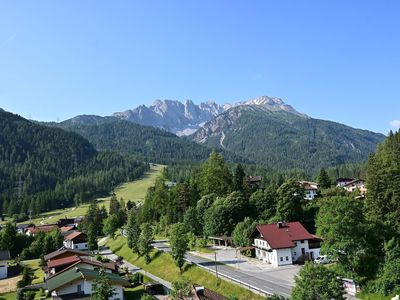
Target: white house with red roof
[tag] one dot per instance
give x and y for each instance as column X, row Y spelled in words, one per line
column 285, row 243
column 76, row 240
column 310, row 189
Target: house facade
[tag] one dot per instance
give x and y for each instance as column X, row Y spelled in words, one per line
column 76, row 240
column 310, row 189
column 357, row 184
column 285, row 243
column 78, row 282
column 4, row 258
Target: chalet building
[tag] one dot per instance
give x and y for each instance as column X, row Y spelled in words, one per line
column 33, row 230
column 77, row 283
column 4, row 258
column 76, row 240
column 357, row 184
column 254, row 181
column 66, row 222
column 57, row 265
column 341, row 182
column 310, row 188
column 285, row 243
column 62, row 253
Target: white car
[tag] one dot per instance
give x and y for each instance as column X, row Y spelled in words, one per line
column 323, row 259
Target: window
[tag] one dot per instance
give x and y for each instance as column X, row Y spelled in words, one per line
column 295, row 253
column 302, row 241
column 281, row 259
column 295, row 243
column 79, row 288
column 287, row 258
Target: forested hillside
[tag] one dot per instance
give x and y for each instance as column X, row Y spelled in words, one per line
column 283, row 140
column 146, row 142
column 43, row 168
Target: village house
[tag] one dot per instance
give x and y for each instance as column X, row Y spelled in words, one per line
column 33, row 230
column 285, row 243
column 4, row 258
column 77, row 283
column 357, row 184
column 64, row 252
column 310, row 189
column 55, row 266
column 76, row 240
column 254, row 181
column 341, row 182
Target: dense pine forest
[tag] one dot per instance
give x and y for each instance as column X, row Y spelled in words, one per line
column 43, row 168
column 145, row 142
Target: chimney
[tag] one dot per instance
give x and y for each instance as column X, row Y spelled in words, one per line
column 280, row 224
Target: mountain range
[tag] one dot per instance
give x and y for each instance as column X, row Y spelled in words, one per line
column 264, row 130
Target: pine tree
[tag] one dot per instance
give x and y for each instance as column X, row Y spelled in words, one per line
column 323, row 179
column 238, row 179
column 133, row 232
column 178, row 241
column 145, row 240
column 102, row 289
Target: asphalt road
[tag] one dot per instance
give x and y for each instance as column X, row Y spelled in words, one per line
column 266, row 284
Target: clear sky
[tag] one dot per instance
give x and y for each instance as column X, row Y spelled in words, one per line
column 335, row 60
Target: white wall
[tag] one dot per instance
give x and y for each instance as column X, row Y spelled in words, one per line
column 296, row 251
column 80, row 246
column 283, row 257
column 86, row 287
column 3, row 269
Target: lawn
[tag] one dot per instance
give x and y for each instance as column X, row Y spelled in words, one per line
column 134, row 191
column 372, row 297
column 37, row 270
column 133, row 293
column 8, row 296
column 163, row 266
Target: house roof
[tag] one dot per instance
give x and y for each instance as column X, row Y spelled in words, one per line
column 283, row 235
column 254, row 178
column 42, row 228
column 67, row 228
column 63, row 250
column 5, row 255
column 354, row 181
column 343, row 179
column 73, row 274
column 63, row 261
column 73, row 260
column 74, row 235
column 309, row 185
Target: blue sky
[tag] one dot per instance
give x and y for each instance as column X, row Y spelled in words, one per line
column 335, row 60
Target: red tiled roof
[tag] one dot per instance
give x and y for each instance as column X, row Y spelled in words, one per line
column 284, row 236
column 67, row 228
column 43, row 228
column 63, row 250
column 73, row 235
column 63, row 261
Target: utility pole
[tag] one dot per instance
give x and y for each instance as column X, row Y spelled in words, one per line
column 216, row 266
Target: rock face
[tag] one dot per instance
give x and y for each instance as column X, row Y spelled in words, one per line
column 185, row 118
column 275, row 135
column 174, row 116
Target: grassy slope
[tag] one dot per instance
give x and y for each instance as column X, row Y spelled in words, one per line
column 163, row 266
column 134, row 191
column 372, row 297
column 8, row 296
column 37, row 270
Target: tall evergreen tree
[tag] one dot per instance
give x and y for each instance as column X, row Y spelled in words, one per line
column 133, row 232
column 215, row 176
column 102, row 288
column 289, row 206
column 179, row 244
column 238, row 178
column 145, row 239
column 323, row 179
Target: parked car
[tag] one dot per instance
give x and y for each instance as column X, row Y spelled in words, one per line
column 323, row 259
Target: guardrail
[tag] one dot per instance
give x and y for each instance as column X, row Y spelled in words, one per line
column 246, row 285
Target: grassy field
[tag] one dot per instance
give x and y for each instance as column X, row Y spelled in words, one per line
column 133, row 293
column 373, row 297
column 37, row 270
column 8, row 296
column 134, row 191
column 163, row 266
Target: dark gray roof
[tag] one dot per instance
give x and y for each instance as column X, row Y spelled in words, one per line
column 4, row 255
